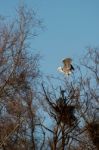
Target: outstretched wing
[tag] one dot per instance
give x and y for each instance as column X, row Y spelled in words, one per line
column 60, row 69
column 72, row 68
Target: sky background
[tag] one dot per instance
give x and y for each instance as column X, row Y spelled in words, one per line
column 70, row 27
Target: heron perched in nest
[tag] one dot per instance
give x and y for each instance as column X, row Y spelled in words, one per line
column 67, row 68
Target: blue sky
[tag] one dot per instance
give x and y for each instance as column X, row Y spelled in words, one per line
column 71, row 26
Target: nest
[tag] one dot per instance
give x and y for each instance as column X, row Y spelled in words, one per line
column 93, row 131
column 65, row 113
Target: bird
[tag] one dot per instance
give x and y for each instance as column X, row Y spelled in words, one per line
column 67, row 68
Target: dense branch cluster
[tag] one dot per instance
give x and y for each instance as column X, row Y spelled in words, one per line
column 19, row 72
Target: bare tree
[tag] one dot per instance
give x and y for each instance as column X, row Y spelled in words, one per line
column 19, row 73
column 74, row 112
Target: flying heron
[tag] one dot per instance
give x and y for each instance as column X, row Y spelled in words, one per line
column 67, row 66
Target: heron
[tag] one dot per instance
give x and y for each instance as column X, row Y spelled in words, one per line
column 67, row 66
